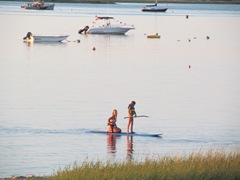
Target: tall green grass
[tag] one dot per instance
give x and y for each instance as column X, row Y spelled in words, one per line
column 213, row 164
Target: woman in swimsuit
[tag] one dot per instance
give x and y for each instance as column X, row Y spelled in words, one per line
column 112, row 126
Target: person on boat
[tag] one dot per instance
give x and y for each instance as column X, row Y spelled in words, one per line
column 131, row 114
column 29, row 37
column 112, row 126
column 85, row 29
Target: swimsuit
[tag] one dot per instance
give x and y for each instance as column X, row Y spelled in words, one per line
column 131, row 110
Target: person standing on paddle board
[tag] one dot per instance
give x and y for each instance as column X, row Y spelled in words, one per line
column 131, row 113
column 112, row 126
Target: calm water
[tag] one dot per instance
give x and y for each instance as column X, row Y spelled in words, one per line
column 51, row 94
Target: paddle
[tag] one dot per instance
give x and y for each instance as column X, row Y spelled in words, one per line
column 137, row 116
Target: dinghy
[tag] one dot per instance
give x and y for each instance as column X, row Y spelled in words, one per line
column 44, row 38
column 153, row 36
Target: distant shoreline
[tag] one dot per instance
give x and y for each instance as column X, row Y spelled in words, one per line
column 140, row 1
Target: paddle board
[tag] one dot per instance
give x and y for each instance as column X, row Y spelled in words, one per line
column 126, row 134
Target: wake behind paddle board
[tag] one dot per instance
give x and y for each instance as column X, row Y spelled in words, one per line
column 126, row 134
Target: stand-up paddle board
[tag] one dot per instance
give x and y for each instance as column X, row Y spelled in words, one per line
column 126, row 134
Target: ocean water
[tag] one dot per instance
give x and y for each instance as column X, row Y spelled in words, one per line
column 52, row 94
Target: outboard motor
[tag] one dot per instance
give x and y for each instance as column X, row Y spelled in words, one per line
column 85, row 29
column 29, row 34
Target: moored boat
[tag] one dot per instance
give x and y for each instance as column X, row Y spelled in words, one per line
column 49, row 38
column 154, row 8
column 44, row 38
column 38, row 5
column 102, row 25
column 153, row 36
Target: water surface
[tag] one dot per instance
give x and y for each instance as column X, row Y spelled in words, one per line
column 51, row 94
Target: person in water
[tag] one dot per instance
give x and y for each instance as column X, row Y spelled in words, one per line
column 131, row 113
column 112, row 126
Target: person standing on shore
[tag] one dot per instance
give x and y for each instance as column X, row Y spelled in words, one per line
column 131, row 113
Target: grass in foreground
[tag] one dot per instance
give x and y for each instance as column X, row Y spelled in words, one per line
column 212, row 164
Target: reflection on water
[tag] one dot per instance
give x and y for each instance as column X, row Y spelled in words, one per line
column 112, row 146
column 129, row 147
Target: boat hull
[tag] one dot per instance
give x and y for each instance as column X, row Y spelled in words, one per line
column 153, row 36
column 154, row 9
column 53, row 38
column 44, row 7
column 109, row 30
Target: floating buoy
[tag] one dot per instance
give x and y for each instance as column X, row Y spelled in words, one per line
column 189, row 66
column 186, row 16
column 207, row 37
column 93, row 48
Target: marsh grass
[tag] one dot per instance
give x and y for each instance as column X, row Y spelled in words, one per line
column 213, row 164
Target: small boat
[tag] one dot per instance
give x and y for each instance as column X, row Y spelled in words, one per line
column 154, row 8
column 126, row 134
column 102, row 25
column 49, row 38
column 44, row 38
column 153, row 36
column 38, row 5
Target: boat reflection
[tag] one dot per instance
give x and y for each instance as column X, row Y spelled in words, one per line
column 112, row 146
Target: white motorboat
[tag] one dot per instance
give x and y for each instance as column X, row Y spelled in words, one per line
column 38, row 5
column 44, row 38
column 154, row 8
column 102, row 25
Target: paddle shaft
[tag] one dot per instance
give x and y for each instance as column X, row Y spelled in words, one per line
column 136, row 116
